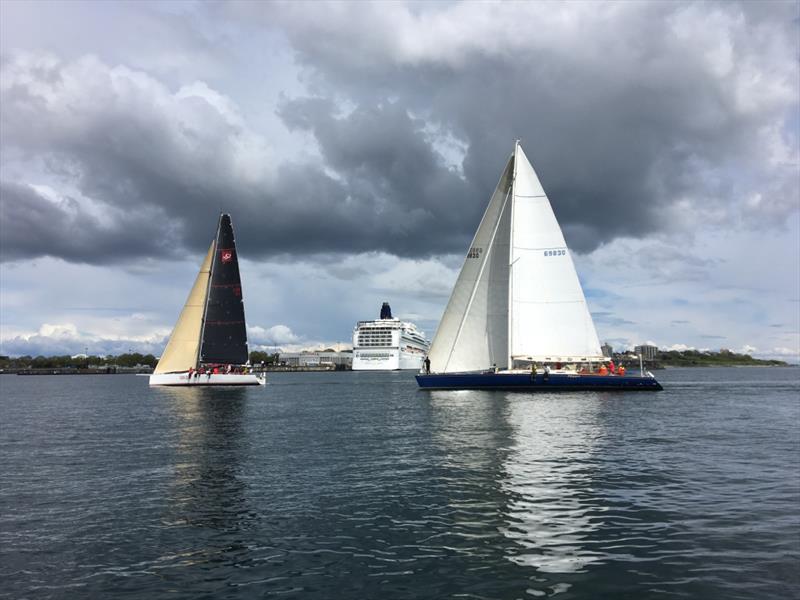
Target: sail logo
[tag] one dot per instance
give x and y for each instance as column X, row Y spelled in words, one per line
column 555, row 252
column 226, row 255
column 474, row 252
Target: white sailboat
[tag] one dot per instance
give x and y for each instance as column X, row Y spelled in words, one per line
column 208, row 345
column 518, row 302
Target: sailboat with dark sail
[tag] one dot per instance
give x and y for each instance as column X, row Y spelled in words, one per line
column 517, row 317
column 208, row 345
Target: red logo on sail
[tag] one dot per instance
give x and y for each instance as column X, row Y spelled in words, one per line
column 226, row 255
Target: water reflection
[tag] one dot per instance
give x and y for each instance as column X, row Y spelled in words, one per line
column 548, row 473
column 472, row 428
column 208, row 490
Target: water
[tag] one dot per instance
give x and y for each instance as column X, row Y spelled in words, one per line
column 358, row 485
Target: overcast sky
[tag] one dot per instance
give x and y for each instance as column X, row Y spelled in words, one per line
column 356, row 145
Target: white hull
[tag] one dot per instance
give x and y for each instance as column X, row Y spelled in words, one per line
column 386, row 359
column 220, row 379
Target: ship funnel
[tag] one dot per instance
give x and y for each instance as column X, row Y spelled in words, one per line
column 386, row 311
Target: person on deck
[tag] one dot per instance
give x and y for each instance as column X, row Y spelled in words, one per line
column 427, row 366
column 611, row 366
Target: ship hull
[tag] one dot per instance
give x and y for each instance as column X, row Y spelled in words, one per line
column 206, row 380
column 555, row 382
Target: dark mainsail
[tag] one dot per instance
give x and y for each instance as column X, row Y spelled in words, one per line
column 224, row 335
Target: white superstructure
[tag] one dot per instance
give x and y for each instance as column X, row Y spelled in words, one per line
column 388, row 344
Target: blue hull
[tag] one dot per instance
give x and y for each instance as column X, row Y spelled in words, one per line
column 555, row 382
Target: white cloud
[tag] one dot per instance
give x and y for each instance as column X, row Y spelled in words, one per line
column 276, row 335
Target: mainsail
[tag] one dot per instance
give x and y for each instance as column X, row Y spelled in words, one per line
column 549, row 318
column 518, row 295
column 224, row 336
column 184, row 343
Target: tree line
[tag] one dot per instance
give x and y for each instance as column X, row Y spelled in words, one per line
column 132, row 359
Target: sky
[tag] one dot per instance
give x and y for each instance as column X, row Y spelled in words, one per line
column 356, row 145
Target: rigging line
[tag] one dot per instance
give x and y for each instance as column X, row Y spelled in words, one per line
column 477, row 280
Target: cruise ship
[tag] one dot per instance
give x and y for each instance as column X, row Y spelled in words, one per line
column 388, row 344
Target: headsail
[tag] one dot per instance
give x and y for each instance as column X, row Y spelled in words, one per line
column 224, row 337
column 184, row 343
column 549, row 318
column 473, row 333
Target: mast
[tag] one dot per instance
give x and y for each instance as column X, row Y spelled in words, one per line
column 511, row 259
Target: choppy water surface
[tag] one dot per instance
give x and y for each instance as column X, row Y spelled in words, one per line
column 357, row 485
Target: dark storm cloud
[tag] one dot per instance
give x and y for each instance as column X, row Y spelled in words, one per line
column 388, row 164
column 33, row 226
column 161, row 164
column 625, row 109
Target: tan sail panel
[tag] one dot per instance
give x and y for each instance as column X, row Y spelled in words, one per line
column 184, row 343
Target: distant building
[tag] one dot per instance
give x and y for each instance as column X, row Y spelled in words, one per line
column 646, row 351
column 607, row 350
column 316, row 359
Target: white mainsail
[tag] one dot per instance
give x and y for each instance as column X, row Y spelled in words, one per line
column 184, row 343
column 518, row 295
column 549, row 319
